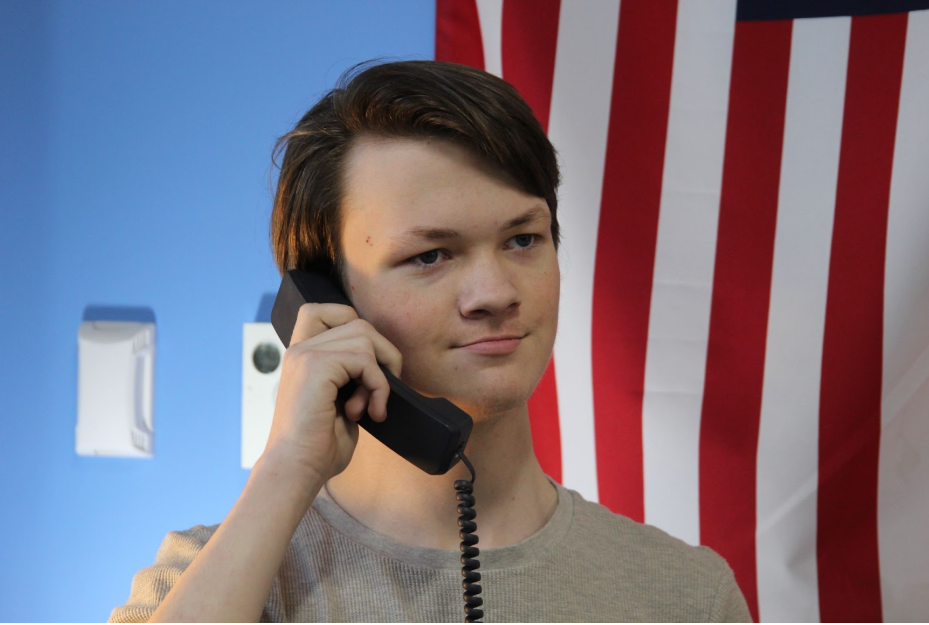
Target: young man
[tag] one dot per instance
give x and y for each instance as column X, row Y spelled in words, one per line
column 428, row 190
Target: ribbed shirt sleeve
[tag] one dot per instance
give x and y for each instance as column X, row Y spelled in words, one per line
column 730, row 605
column 151, row 585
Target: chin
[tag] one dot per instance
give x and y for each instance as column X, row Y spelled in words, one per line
column 480, row 400
column 486, row 404
column 482, row 392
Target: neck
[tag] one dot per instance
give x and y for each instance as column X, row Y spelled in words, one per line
column 513, row 497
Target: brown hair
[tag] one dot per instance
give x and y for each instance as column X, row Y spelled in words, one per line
column 404, row 99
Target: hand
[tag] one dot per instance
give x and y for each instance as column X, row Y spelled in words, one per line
column 330, row 346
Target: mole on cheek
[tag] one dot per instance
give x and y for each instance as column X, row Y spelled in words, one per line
column 368, row 240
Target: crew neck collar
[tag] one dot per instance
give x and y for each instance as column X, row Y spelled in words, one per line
column 533, row 548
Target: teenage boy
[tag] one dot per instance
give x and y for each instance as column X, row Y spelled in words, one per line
column 428, row 191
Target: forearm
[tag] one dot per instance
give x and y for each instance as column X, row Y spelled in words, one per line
column 231, row 577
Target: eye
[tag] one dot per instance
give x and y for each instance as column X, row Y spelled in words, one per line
column 432, row 258
column 525, row 241
column 428, row 258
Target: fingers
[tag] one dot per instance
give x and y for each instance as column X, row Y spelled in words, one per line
column 360, row 336
column 355, row 407
column 363, row 401
column 373, row 389
column 314, row 319
column 324, row 324
column 336, row 330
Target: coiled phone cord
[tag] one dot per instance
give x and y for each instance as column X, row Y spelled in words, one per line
column 469, row 552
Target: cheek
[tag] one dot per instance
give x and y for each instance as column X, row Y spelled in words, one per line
column 546, row 293
column 407, row 322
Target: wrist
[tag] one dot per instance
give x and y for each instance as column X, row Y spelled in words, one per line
column 292, row 480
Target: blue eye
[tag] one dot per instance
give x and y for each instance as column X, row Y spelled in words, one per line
column 526, row 241
column 429, row 258
column 519, row 242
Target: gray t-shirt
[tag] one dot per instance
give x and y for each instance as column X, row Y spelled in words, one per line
column 585, row 564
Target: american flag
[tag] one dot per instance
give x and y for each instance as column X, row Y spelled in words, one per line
column 743, row 349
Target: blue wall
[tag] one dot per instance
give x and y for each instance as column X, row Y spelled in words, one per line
column 134, row 176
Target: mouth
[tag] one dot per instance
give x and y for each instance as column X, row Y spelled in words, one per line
column 503, row 344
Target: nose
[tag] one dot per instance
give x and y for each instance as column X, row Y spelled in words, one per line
column 488, row 289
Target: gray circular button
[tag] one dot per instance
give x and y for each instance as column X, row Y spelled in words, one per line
column 267, row 357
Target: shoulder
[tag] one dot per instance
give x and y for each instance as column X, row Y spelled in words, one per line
column 151, row 584
column 598, row 527
column 177, row 546
column 679, row 579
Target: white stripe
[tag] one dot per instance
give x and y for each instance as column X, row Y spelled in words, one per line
column 903, row 493
column 787, row 470
column 578, row 123
column 685, row 252
column 490, row 15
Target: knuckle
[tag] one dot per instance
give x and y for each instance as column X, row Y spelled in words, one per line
column 364, row 345
column 361, row 325
column 291, row 356
column 369, row 361
column 303, row 355
column 310, row 309
column 295, row 357
column 351, row 311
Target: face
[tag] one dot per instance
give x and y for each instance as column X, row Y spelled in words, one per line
column 442, row 253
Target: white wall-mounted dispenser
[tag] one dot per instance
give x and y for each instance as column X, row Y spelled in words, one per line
column 262, row 355
column 116, row 370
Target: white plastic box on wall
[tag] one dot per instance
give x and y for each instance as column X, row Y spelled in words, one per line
column 116, row 369
column 262, row 355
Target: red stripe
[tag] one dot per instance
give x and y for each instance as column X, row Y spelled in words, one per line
column 741, row 293
column 458, row 33
column 626, row 239
column 850, row 400
column 530, row 33
column 543, row 418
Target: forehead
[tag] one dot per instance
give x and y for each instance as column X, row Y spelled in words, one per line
column 392, row 184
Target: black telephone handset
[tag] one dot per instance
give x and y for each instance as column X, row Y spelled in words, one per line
column 427, row 431
column 430, row 432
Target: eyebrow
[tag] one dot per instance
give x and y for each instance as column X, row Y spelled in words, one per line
column 536, row 213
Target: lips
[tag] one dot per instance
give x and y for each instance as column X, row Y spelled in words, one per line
column 494, row 345
column 488, row 339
